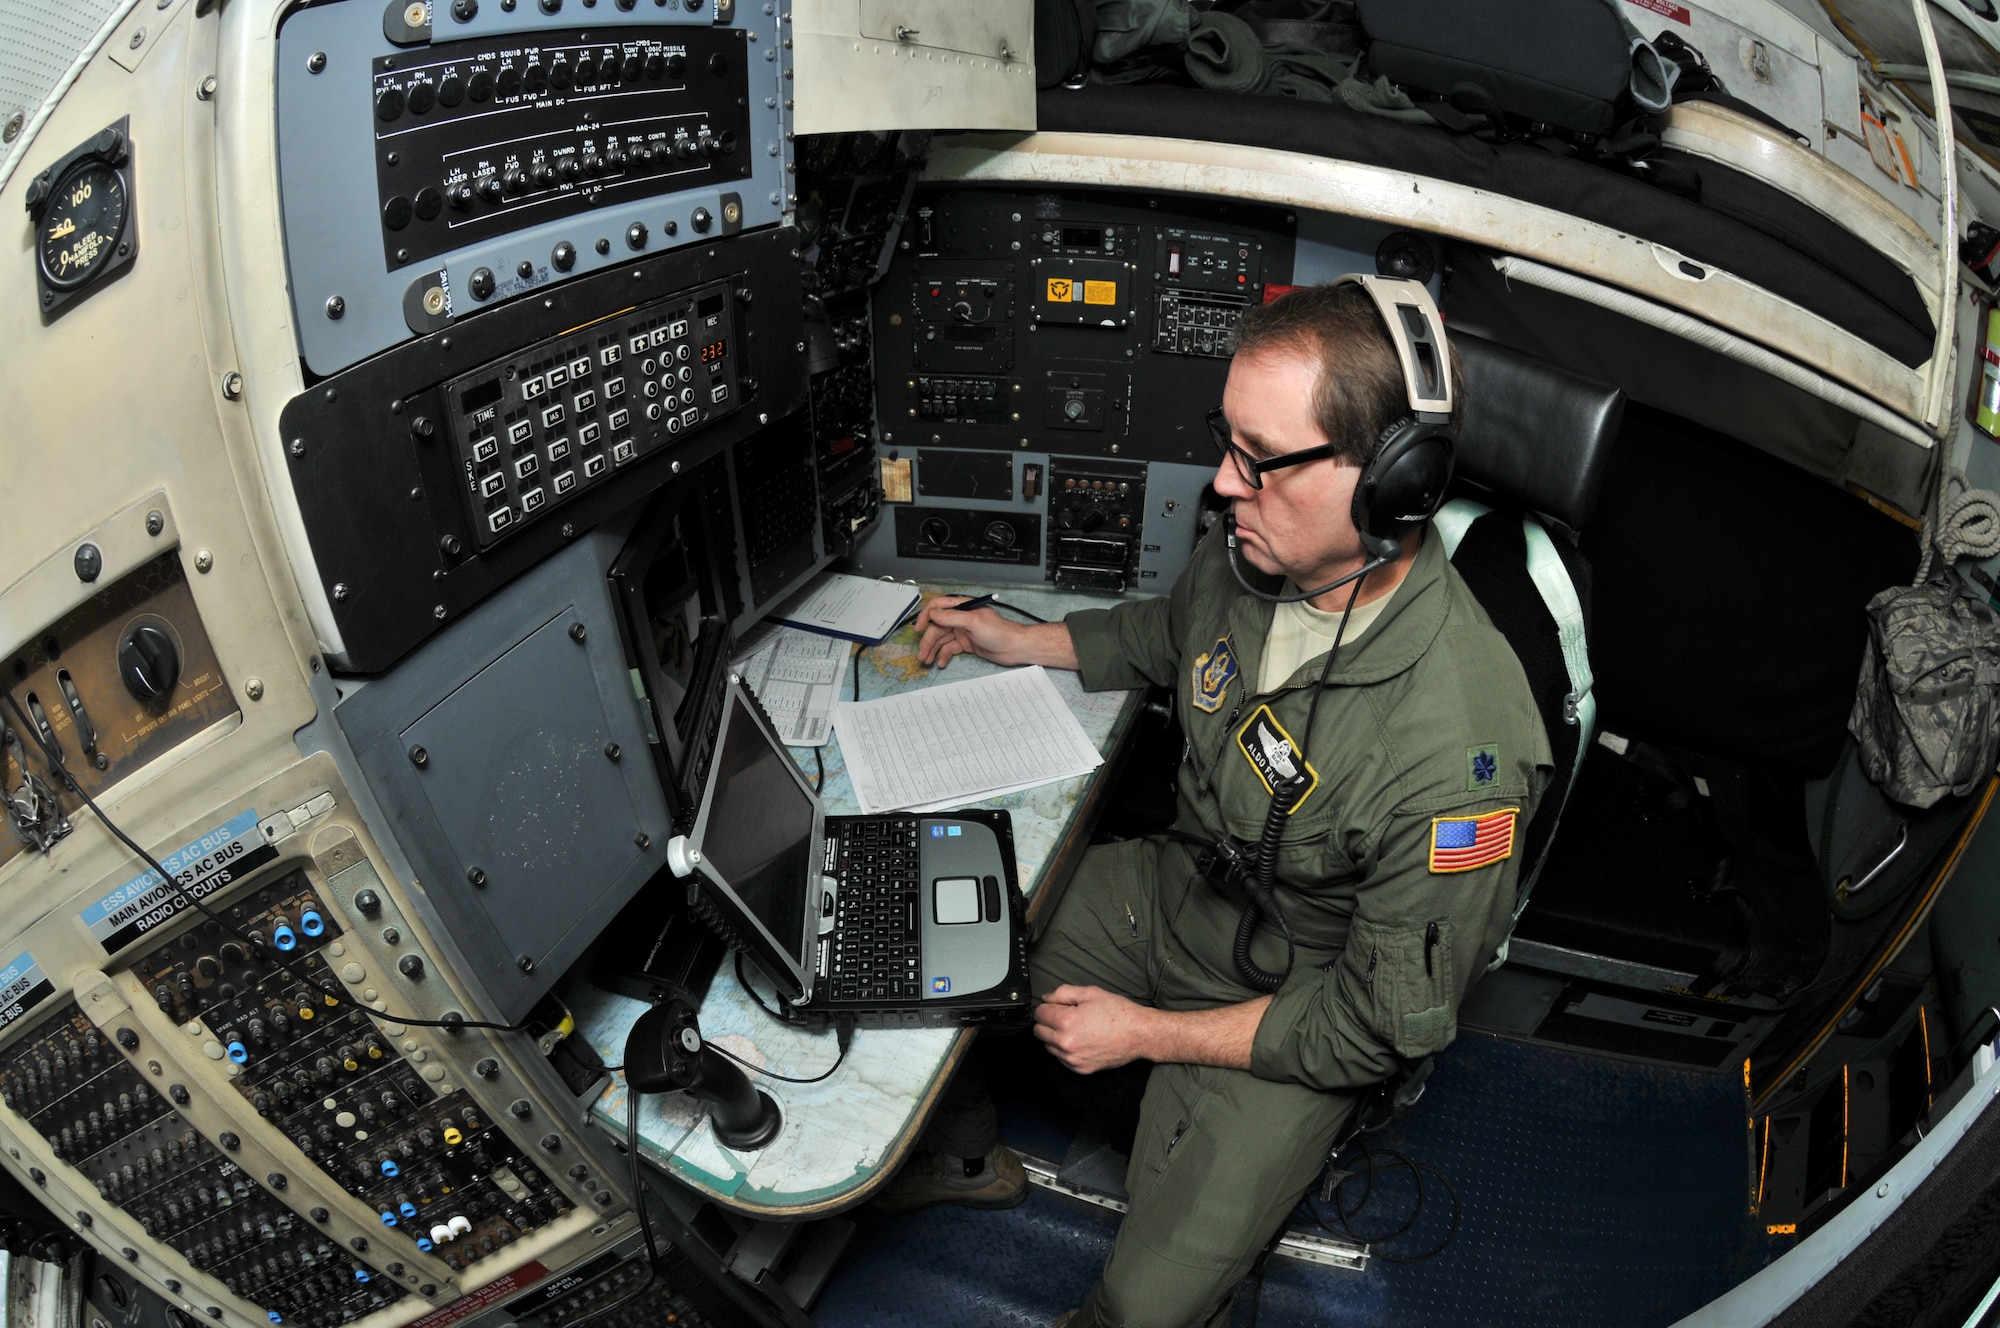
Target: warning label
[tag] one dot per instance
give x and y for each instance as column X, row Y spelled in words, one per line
column 1062, row 290
column 1666, row 8
column 225, row 854
column 1100, row 292
column 484, row 1298
column 23, row 986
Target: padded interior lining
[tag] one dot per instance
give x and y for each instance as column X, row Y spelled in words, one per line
column 1730, row 590
column 1758, row 231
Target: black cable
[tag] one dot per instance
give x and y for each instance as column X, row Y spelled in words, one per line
column 751, row 991
column 1344, row 1214
column 843, row 1033
column 1261, row 884
column 827, row 1073
column 1263, row 1262
column 857, row 670
column 1013, row 608
column 1391, row 550
column 645, row 1218
column 52, row 756
column 819, row 771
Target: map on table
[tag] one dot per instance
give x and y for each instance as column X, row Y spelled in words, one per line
column 838, row 1131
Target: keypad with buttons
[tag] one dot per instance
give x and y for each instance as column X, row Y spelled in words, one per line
column 542, row 426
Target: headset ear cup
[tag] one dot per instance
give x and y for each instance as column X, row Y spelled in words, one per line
column 1404, row 482
column 1368, row 509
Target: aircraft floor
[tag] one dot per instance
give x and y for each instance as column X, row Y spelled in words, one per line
column 1593, row 1191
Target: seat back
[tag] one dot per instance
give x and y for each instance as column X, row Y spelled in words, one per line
column 1531, row 457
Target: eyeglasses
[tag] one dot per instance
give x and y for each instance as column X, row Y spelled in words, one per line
column 1247, row 466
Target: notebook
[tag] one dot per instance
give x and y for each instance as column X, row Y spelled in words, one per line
column 895, row 919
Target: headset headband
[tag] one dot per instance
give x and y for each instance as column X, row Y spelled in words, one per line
column 1418, row 333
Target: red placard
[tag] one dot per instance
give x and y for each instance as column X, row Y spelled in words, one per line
column 499, row 1289
column 1678, row 13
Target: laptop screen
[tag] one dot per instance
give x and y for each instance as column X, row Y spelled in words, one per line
column 759, row 829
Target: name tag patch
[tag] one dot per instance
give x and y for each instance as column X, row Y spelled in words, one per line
column 1276, row 758
column 1212, row 671
column 1463, row 843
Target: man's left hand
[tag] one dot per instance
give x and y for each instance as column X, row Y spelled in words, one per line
column 1090, row 1029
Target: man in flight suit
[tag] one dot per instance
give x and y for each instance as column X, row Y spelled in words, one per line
column 1397, row 867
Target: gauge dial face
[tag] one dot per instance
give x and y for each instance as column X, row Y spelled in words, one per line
column 82, row 225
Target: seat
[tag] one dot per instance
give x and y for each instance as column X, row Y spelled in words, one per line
column 1688, row 861
column 1532, row 453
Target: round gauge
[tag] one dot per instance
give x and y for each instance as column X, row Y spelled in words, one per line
column 82, row 225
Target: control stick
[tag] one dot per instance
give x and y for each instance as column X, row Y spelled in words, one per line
column 665, row 1053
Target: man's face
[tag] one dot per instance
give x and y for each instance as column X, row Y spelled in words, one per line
column 1299, row 524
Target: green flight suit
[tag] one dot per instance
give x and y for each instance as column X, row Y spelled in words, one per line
column 1426, row 723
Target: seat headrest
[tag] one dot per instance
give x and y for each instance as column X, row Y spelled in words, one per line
column 1534, row 433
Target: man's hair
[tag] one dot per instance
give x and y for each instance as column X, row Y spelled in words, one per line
column 1360, row 389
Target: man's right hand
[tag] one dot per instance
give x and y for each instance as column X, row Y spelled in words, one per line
column 945, row 632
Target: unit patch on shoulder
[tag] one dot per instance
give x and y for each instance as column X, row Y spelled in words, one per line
column 1462, row 843
column 1482, row 766
column 1275, row 757
column 1212, row 671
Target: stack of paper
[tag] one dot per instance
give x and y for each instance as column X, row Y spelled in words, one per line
column 796, row 678
column 850, row 606
column 961, row 742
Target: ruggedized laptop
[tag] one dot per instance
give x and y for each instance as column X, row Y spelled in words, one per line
column 897, row 919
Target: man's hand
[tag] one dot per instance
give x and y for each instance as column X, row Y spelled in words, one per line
column 1090, row 1029
column 983, row 632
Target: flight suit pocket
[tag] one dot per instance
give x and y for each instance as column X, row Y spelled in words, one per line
column 1411, row 983
column 1168, row 1118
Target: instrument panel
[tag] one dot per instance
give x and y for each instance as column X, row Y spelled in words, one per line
column 121, row 679
column 426, row 175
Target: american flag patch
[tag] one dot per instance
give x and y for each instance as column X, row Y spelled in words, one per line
column 1461, row 843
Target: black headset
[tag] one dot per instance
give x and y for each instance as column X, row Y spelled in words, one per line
column 1403, row 483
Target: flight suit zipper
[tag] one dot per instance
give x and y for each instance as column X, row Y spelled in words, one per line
column 1431, row 938
column 1222, row 744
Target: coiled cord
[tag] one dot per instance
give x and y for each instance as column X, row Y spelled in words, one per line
column 1965, row 526
column 1264, row 897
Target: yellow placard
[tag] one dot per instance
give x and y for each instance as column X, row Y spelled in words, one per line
column 1100, row 292
column 896, row 480
column 1061, row 290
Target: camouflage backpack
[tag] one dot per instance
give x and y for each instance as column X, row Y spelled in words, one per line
column 1927, row 712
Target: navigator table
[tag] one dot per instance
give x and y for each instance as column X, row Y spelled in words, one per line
column 845, row 1135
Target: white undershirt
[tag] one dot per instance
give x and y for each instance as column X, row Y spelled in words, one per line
column 1300, row 632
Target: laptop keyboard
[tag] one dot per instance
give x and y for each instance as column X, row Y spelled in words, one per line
column 875, row 933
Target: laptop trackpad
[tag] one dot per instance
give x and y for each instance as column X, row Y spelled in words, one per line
column 955, row 899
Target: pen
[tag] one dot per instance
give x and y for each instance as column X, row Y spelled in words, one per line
column 977, row 602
